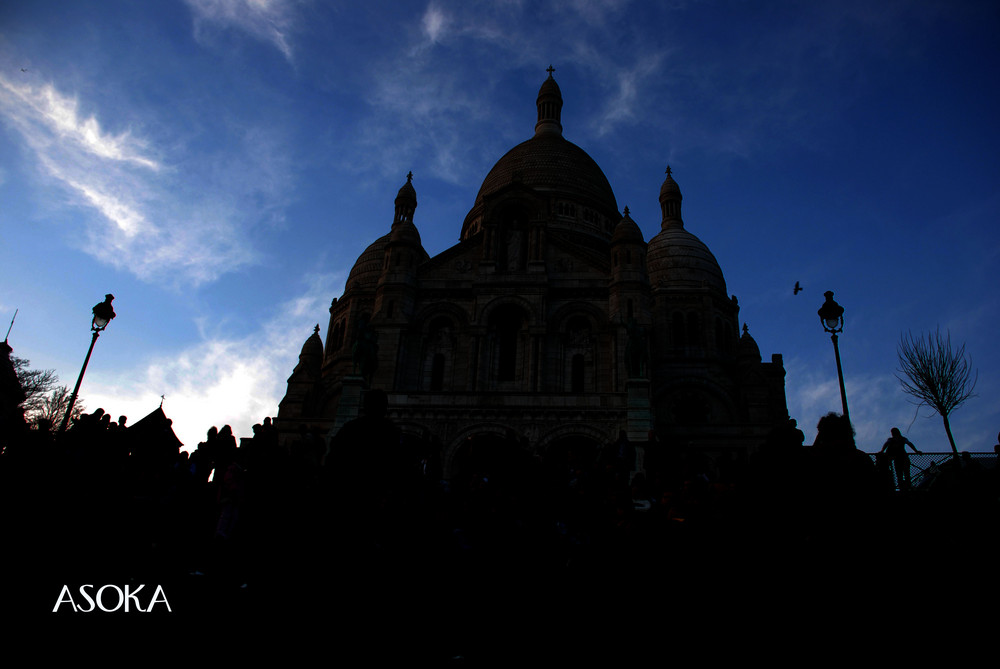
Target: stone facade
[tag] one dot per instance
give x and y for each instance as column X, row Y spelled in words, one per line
column 551, row 325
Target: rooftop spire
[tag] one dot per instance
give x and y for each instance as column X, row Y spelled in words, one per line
column 549, row 105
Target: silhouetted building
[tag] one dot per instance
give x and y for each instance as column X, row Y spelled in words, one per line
column 153, row 437
column 552, row 324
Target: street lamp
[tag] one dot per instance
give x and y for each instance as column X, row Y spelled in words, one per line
column 103, row 313
column 831, row 315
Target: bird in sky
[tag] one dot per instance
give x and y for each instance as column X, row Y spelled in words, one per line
column 797, row 288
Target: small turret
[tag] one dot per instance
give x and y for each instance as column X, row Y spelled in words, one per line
column 670, row 202
column 304, row 387
column 311, row 356
column 749, row 351
column 406, row 202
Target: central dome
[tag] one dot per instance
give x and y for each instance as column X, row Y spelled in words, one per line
column 550, row 165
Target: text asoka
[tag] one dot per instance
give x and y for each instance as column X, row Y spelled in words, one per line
column 111, row 598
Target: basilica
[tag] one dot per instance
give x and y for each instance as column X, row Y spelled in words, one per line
column 551, row 327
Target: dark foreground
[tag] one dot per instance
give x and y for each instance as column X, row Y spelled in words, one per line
column 501, row 574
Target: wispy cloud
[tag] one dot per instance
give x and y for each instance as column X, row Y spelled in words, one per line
column 267, row 20
column 222, row 380
column 626, row 103
column 421, row 89
column 434, row 23
column 167, row 215
column 597, row 12
column 127, row 219
column 47, row 107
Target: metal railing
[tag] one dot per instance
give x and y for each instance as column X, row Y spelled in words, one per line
column 923, row 469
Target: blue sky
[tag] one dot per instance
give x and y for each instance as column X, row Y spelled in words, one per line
column 218, row 165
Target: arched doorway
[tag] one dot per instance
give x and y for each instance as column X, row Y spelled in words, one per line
column 498, row 459
column 569, row 456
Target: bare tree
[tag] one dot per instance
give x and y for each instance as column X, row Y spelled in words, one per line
column 43, row 397
column 53, row 407
column 36, row 384
column 936, row 375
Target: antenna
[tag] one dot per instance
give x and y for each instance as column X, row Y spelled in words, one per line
column 11, row 326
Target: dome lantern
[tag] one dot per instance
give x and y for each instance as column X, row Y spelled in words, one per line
column 670, row 202
column 406, row 202
column 549, row 105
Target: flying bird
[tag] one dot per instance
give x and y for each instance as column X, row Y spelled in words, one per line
column 797, row 288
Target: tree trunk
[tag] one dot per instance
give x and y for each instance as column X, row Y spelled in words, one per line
column 947, row 428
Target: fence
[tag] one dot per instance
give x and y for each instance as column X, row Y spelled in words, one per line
column 919, row 470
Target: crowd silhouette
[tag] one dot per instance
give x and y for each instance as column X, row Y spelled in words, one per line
column 242, row 530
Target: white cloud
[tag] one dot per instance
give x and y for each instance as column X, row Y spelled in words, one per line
column 622, row 106
column 185, row 221
column 267, row 20
column 434, row 23
column 47, row 107
column 219, row 381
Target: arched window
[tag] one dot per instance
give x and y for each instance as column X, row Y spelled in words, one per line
column 437, row 353
column 578, row 351
column 437, row 372
column 337, row 338
column 576, row 373
column 505, row 327
column 507, row 351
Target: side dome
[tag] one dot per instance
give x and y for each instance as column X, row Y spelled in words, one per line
column 678, row 259
column 675, row 257
column 368, row 267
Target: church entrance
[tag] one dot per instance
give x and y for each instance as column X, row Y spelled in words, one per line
column 494, row 459
column 569, row 457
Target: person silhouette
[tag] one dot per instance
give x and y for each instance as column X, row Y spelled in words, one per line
column 895, row 448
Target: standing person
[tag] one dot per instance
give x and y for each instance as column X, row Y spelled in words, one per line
column 895, row 448
column 369, row 474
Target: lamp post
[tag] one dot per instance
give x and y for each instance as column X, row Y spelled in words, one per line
column 103, row 313
column 831, row 315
